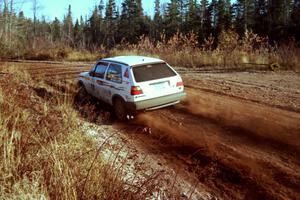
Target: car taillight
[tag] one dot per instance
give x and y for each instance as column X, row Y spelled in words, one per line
column 179, row 84
column 136, row 90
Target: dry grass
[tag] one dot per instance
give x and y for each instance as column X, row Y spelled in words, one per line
column 64, row 54
column 51, row 51
column 60, row 53
column 228, row 51
column 82, row 56
column 45, row 153
column 232, row 52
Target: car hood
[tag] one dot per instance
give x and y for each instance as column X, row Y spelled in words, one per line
column 84, row 74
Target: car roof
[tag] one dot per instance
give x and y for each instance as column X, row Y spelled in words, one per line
column 133, row 60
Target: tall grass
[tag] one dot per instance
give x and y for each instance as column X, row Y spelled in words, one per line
column 45, row 154
column 227, row 51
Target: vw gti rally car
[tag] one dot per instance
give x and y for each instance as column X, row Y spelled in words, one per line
column 133, row 83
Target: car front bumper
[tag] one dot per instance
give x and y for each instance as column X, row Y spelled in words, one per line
column 156, row 103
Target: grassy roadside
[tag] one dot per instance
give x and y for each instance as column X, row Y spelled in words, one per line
column 45, row 153
column 232, row 52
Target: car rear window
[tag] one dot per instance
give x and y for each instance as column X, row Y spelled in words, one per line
column 152, row 71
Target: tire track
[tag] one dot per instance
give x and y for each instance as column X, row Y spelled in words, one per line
column 225, row 160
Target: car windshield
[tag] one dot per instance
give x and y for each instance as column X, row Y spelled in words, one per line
column 151, row 72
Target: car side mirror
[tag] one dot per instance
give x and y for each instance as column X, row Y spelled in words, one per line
column 91, row 73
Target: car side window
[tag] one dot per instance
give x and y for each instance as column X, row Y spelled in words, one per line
column 114, row 73
column 101, row 69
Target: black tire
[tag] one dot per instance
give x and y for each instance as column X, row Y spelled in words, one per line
column 120, row 109
column 80, row 84
column 81, row 94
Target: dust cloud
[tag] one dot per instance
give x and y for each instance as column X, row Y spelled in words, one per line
column 250, row 118
column 247, row 143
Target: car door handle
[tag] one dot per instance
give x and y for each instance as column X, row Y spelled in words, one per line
column 99, row 82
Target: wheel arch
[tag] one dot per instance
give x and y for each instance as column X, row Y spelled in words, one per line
column 115, row 97
column 80, row 83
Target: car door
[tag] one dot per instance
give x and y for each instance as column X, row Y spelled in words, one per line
column 98, row 80
column 114, row 82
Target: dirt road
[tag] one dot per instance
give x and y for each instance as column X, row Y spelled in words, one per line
column 236, row 136
column 244, row 150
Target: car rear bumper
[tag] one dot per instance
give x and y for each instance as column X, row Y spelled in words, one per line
column 156, row 103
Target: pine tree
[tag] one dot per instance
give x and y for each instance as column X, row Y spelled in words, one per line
column 110, row 23
column 172, row 18
column 214, row 13
column 101, row 25
column 101, row 8
column 139, row 8
column 193, row 19
column 295, row 15
column 94, row 28
column 141, row 28
column 295, row 20
column 244, row 15
column 127, row 20
column 287, row 11
column 157, row 20
column 55, row 30
column 68, row 26
column 277, row 19
column 260, row 17
column 203, row 9
column 183, row 9
column 278, row 14
column 21, row 32
column 76, row 32
column 83, row 33
column 220, row 16
column 157, row 14
column 132, row 16
column 275, row 11
column 207, row 28
column 227, row 15
column 44, row 29
column 224, row 15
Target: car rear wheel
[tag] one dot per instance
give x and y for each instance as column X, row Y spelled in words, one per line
column 119, row 109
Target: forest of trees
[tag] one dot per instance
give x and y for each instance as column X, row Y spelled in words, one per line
column 110, row 24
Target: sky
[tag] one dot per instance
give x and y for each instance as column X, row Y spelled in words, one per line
column 58, row 8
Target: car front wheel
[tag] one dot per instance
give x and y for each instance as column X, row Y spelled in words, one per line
column 81, row 94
